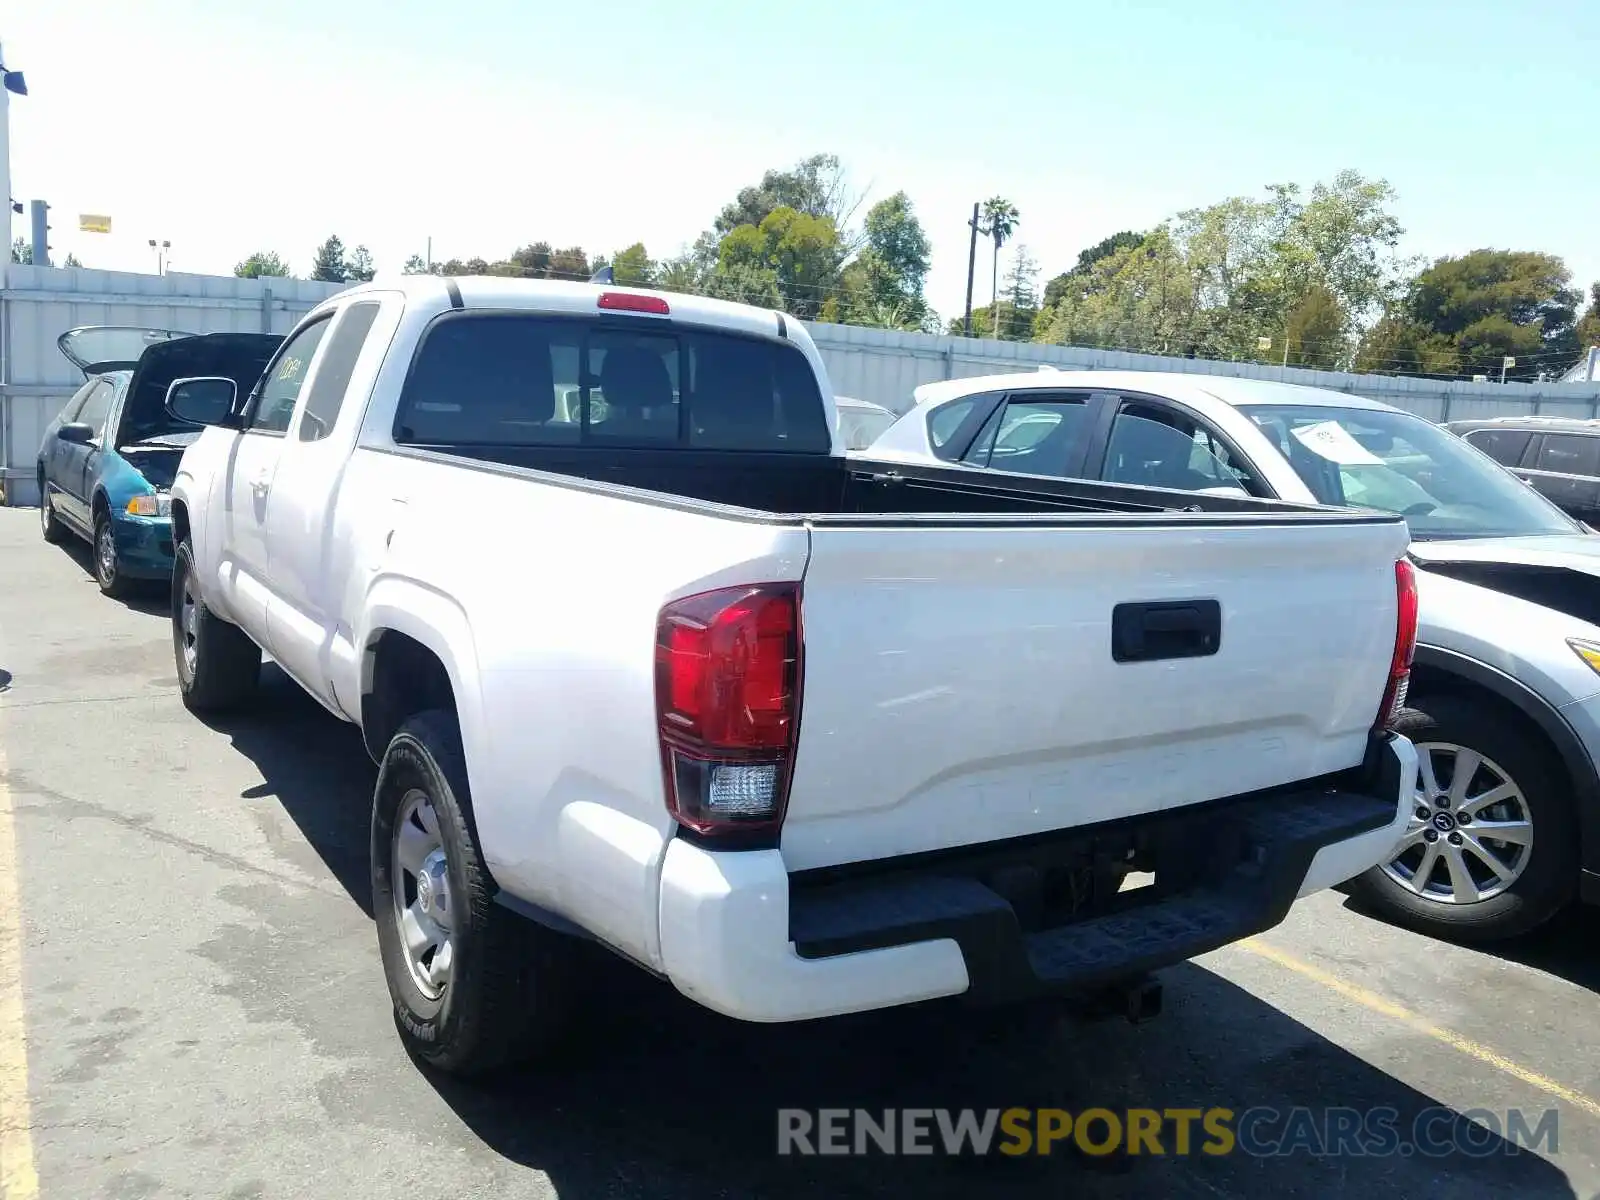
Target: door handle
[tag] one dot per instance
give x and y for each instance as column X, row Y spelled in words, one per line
column 261, row 485
column 1173, row 629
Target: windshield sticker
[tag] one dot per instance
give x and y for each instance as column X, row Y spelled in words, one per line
column 1334, row 443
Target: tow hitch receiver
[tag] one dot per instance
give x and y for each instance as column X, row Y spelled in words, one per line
column 1137, row 1001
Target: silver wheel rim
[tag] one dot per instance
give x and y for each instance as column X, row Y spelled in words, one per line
column 188, row 627
column 424, row 909
column 1470, row 833
column 44, row 509
column 105, row 553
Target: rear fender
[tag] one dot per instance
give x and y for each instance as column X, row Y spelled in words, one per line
column 437, row 622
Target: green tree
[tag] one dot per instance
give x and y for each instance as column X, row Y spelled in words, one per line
column 745, row 282
column 1316, row 330
column 415, row 266
column 1588, row 332
column 886, row 285
column 328, row 263
column 803, row 253
column 1086, row 260
column 1467, row 314
column 632, row 267
column 816, row 186
column 71, row 260
column 21, row 252
column 262, row 262
column 691, row 269
column 999, row 221
column 358, row 266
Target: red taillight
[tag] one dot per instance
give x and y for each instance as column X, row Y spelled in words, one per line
column 629, row 302
column 728, row 704
column 1405, row 644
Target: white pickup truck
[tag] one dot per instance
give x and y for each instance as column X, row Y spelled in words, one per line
column 803, row 734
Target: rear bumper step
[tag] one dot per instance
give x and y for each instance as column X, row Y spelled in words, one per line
column 1223, row 872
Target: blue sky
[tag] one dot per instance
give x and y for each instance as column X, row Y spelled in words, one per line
column 489, row 123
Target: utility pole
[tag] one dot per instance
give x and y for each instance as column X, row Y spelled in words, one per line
column 972, row 262
column 39, row 212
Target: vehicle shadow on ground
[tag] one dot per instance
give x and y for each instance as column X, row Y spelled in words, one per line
column 658, row 1097
column 317, row 769
column 151, row 596
column 1565, row 947
column 667, row 1096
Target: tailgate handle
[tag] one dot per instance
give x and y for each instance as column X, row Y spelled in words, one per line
column 1168, row 629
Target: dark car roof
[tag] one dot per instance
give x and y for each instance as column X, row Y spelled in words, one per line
column 1535, row 424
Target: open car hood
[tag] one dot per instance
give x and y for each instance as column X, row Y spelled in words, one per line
column 94, row 349
column 1558, row 571
column 240, row 357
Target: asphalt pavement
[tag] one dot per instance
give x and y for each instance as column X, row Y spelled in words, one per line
column 200, row 1010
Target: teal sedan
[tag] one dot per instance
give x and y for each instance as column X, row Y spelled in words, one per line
column 108, row 459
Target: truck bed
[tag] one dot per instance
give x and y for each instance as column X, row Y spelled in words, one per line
column 835, row 489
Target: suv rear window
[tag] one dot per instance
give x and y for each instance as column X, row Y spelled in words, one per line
column 512, row 380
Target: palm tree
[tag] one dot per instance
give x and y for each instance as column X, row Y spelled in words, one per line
column 999, row 221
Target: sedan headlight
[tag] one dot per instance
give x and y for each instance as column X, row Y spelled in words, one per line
column 158, row 505
column 1588, row 651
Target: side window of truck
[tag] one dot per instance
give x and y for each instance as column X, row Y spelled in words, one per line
column 285, row 376
column 332, row 380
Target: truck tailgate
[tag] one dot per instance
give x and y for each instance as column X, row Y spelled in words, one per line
column 960, row 684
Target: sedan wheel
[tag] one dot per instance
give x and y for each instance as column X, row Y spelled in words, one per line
column 107, row 572
column 1471, row 831
column 1490, row 849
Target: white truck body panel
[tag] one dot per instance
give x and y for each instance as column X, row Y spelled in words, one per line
column 990, row 683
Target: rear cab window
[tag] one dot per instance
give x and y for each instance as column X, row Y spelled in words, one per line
column 512, row 379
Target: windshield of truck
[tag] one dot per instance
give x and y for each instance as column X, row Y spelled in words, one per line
column 1371, row 458
column 498, row 379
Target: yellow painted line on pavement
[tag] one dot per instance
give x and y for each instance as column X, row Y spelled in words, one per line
column 1446, row 1037
column 18, row 1178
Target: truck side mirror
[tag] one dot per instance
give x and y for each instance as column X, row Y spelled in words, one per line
column 203, row 400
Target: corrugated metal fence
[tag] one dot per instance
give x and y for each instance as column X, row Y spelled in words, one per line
column 38, row 304
column 884, row 366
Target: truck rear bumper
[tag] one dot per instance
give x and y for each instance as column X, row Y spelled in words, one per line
column 743, row 937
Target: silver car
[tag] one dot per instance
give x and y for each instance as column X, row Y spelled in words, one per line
column 1505, row 694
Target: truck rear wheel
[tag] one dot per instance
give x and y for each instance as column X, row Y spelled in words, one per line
column 218, row 664
column 1491, row 850
column 475, row 987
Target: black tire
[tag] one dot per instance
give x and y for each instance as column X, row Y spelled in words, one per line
column 507, row 998
column 227, row 664
column 54, row 531
column 1549, row 879
column 103, row 555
